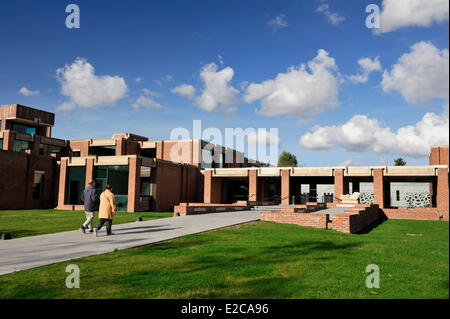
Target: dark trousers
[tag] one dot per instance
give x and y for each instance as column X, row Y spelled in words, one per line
column 108, row 222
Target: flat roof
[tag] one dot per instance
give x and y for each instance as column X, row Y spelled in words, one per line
column 350, row 171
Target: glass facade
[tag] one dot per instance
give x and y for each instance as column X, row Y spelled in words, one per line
column 46, row 149
column 117, row 177
column 148, row 184
column 22, row 128
column 21, row 146
column 76, row 179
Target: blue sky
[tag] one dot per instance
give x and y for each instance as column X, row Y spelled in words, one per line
column 160, row 45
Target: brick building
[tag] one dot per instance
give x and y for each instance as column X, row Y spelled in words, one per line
column 28, row 158
column 38, row 171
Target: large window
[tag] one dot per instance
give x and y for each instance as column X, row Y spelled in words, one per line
column 21, row 146
column 148, row 183
column 46, row 149
column 117, row 177
column 22, row 128
column 76, row 179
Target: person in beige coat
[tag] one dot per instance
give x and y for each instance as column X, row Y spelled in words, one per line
column 107, row 211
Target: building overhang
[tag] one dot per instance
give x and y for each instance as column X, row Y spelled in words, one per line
column 349, row 171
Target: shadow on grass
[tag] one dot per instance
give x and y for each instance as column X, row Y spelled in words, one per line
column 370, row 227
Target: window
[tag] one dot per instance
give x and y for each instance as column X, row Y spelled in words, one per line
column 46, row 149
column 76, row 179
column 22, row 128
column 21, row 146
column 117, row 177
column 38, row 185
column 148, row 182
column 102, row 150
column 1, row 143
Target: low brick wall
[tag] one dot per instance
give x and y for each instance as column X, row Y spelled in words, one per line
column 185, row 209
column 353, row 221
column 301, row 219
column 415, row 213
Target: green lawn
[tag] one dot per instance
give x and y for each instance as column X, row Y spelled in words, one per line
column 259, row 260
column 22, row 223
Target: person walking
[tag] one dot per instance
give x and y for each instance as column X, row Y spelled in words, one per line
column 107, row 211
column 90, row 199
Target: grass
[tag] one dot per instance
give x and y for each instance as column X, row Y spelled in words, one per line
column 259, row 260
column 23, row 223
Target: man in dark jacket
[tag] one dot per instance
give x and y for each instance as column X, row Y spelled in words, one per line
column 90, row 200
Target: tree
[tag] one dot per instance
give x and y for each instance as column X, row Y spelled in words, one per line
column 287, row 159
column 399, row 162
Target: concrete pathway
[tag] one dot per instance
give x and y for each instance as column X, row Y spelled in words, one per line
column 29, row 252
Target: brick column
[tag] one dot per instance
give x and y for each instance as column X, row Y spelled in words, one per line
column 442, row 192
column 285, row 186
column 121, row 147
column 134, row 186
column 252, row 185
column 8, row 140
column 62, row 182
column 212, row 189
column 89, row 170
column 378, row 187
column 36, row 146
column 48, row 131
column 341, row 185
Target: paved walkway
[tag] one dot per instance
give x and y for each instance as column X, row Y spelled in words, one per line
column 29, row 252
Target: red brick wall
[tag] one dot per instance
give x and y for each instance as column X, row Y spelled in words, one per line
column 82, row 146
column 442, row 194
column 439, row 155
column 341, row 185
column 353, row 221
column 415, row 213
column 301, row 219
column 168, row 188
column 17, row 177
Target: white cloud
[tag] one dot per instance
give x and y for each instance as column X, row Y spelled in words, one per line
column 349, row 163
column 404, row 13
column 421, row 74
column 217, row 90
column 85, row 89
column 362, row 134
column 143, row 101
column 334, row 17
column 184, row 90
column 138, row 80
column 66, row 106
column 278, row 22
column 263, row 137
column 303, row 90
column 151, row 93
column 366, row 66
column 27, row 92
